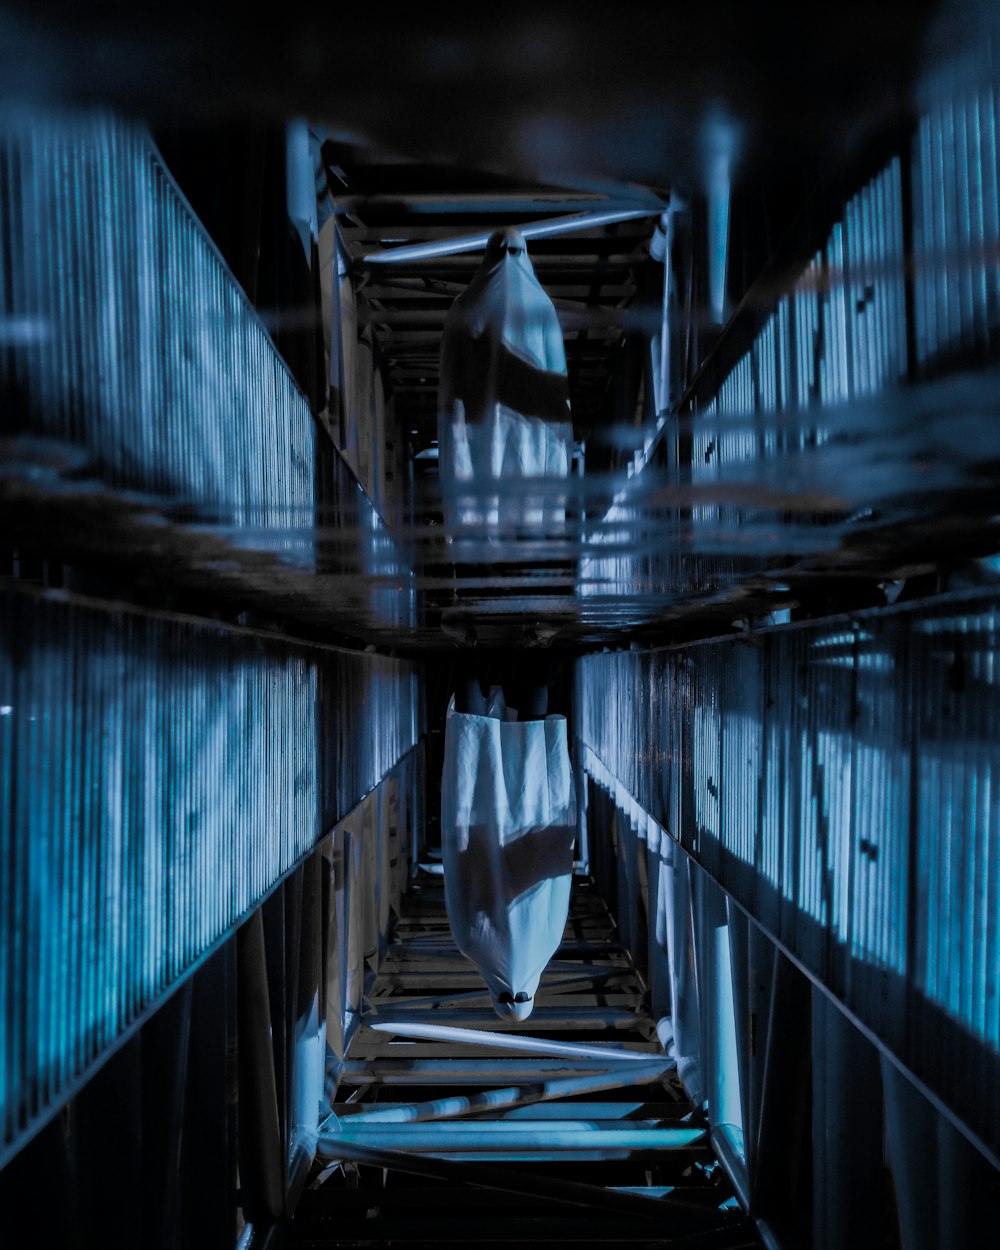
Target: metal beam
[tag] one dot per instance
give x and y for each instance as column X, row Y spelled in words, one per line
column 558, row 989
column 572, row 224
column 405, row 290
column 540, row 1136
column 469, row 202
column 571, row 1017
column 459, row 1070
column 572, row 312
column 509, row 1042
column 512, row 1096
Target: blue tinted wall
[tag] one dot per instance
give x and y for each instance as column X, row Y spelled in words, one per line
column 838, row 779
column 160, row 775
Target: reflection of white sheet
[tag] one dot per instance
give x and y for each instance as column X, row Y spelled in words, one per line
column 507, row 809
column 504, row 398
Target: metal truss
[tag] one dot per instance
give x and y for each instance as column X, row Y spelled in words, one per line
column 450, row 1125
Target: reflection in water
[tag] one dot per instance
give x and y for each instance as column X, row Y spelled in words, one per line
column 504, row 397
column 507, row 813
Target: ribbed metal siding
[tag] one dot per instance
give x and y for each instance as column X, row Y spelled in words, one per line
column 838, row 780
column 956, row 228
column 849, row 334
column 123, row 333
column 838, row 335
column 159, row 776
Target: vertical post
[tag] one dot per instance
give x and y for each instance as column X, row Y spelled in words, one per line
column 261, row 1176
column 847, row 1146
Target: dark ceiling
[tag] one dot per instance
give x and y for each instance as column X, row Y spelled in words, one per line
column 545, row 90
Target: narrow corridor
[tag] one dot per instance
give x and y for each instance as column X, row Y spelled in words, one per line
column 643, row 365
column 444, row 1125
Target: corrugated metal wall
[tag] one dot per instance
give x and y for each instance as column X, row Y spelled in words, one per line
column 903, row 285
column 127, row 337
column 838, row 780
column 827, row 1142
column 835, row 779
column 148, row 413
column 159, row 776
column 956, row 228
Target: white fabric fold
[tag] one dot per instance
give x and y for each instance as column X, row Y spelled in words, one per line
column 507, row 828
column 503, row 411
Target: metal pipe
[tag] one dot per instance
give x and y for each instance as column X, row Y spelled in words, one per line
column 530, row 230
column 512, row 1096
column 505, row 1135
column 246, row 1237
column 512, row 1041
column 735, row 1166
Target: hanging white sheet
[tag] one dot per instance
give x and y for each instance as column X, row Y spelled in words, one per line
column 503, row 412
column 507, row 829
